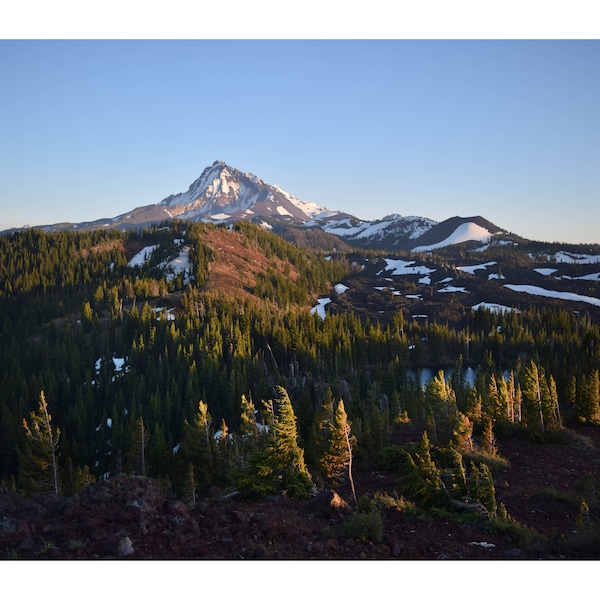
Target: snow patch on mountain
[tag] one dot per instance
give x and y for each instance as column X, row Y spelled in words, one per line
column 142, row 256
column 589, row 277
column 390, row 226
column 492, row 307
column 180, row 265
column 539, row 291
column 404, row 267
column 320, row 307
column 472, row 268
column 577, row 259
column 453, row 289
column 463, row 233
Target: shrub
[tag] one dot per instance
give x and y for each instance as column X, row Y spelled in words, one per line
column 383, row 501
column 550, row 493
column 393, row 458
column 364, row 526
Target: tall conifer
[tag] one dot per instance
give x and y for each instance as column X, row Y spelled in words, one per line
column 38, row 457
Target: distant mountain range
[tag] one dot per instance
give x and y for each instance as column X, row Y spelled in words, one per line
column 223, row 194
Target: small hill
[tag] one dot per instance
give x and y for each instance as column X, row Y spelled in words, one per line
column 456, row 230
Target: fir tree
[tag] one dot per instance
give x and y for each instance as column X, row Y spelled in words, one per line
column 482, row 487
column 136, row 459
column 422, row 479
column 283, row 459
column 463, row 433
column 337, row 461
column 38, row 457
column 489, row 444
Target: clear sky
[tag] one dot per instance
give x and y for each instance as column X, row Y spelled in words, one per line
column 506, row 129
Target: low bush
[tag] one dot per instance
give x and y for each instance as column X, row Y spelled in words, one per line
column 364, row 526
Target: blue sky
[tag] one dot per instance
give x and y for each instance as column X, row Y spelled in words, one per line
column 506, row 129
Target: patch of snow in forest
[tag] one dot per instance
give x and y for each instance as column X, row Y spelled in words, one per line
column 590, row 277
column 446, row 280
column 170, row 313
column 482, row 544
column 218, row 437
column 320, row 308
column 453, row 288
column 142, row 256
column 340, row 288
column 118, row 364
column 181, row 264
column 472, row 268
column 495, row 276
column 497, row 308
column 118, row 367
column 577, row 259
column 545, row 272
column 538, row 291
column 425, row 280
column 404, row 267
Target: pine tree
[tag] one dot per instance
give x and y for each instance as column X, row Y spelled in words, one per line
column 74, row 479
column 283, row 460
column 136, row 459
column 338, row 458
column 249, row 432
column 532, row 392
column 588, row 398
column 541, row 401
column 198, row 449
column 203, row 423
column 190, row 493
column 38, row 457
column 482, row 487
column 463, row 433
column 422, row 479
column 489, row 444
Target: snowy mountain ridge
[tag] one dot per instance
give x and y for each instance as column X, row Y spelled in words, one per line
column 223, row 194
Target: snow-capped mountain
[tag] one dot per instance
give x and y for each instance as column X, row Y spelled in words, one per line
column 223, row 194
column 393, row 231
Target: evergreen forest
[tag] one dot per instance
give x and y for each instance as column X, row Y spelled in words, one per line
column 111, row 365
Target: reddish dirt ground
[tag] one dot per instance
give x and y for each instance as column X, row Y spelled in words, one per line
column 135, row 518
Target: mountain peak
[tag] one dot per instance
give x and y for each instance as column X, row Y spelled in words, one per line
column 223, row 193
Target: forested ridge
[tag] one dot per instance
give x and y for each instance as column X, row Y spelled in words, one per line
column 149, row 370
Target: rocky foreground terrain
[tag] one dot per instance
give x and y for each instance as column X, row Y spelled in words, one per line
column 136, row 518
